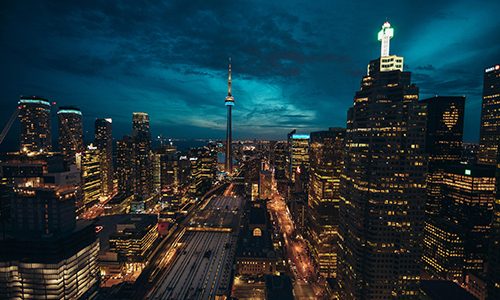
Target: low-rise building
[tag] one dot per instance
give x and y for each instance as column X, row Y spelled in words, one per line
column 255, row 255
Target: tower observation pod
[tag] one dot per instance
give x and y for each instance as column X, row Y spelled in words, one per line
column 384, row 35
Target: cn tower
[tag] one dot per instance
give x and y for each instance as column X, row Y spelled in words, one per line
column 229, row 136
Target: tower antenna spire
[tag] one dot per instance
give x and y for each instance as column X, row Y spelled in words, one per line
column 229, row 78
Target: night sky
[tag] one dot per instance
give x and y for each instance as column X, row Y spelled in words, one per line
column 296, row 64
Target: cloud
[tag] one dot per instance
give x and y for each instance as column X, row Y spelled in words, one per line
column 295, row 64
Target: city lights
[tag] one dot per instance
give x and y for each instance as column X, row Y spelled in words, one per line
column 148, row 187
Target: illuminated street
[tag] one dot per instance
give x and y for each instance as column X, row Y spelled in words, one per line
column 306, row 284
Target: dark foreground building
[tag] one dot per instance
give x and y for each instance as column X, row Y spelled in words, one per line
column 44, row 252
column 382, row 188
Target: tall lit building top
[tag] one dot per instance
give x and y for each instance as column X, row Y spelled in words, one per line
column 70, row 131
column 387, row 62
column 385, row 35
column 140, row 125
column 489, row 134
column 34, row 114
column 34, row 100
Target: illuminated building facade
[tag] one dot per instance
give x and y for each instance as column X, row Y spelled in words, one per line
column 70, row 132
column 229, row 102
column 489, row 135
column 34, row 114
column 91, row 175
column 279, row 161
column 265, row 184
column 456, row 243
column 326, row 162
column 103, row 140
column 493, row 274
column 203, row 163
column 44, row 252
column 168, row 170
column 443, row 250
column 445, row 127
column 444, row 133
column 142, row 154
column 125, row 167
column 134, row 239
column 470, row 195
column 298, row 154
column 382, row 189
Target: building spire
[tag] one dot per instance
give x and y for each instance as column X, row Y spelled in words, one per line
column 229, row 78
column 385, row 35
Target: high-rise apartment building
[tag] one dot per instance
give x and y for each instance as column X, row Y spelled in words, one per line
column 382, row 188
column 489, row 135
column 70, row 132
column 103, row 140
column 326, row 162
column 34, row 114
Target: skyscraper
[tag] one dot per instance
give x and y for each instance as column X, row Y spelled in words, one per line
column 229, row 134
column 445, row 128
column 140, row 126
column 493, row 274
column 125, row 166
column 298, row 147
column 91, row 175
column 279, row 161
column 456, row 240
column 34, row 114
column 326, row 162
column 489, row 135
column 382, row 188
column 443, row 243
column 444, row 133
column 70, row 132
column 141, row 135
column 103, row 140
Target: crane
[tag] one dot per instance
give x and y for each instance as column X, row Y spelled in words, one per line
column 8, row 125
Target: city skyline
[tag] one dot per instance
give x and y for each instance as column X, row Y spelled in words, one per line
column 136, row 62
column 391, row 202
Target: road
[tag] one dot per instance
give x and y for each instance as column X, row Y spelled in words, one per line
column 306, row 285
column 198, row 264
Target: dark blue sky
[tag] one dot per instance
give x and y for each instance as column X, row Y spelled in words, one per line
column 296, row 64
